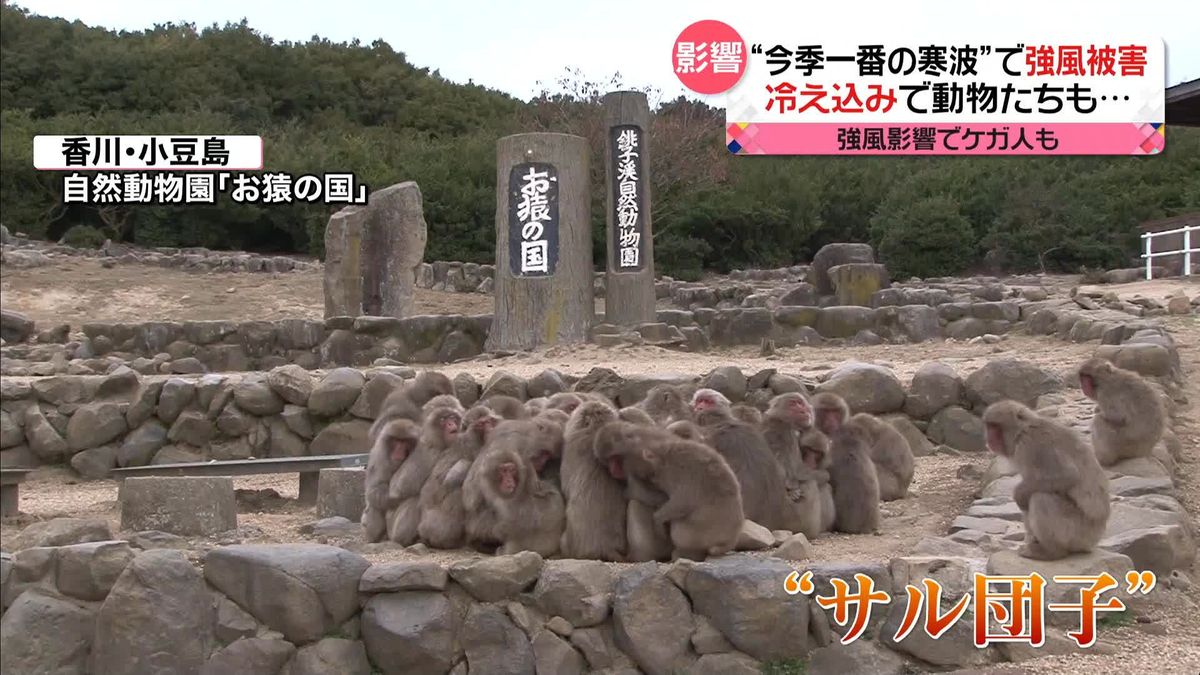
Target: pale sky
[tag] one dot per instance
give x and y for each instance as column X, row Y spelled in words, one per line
column 510, row 46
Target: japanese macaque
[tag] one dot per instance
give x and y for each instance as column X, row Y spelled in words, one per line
column 392, row 448
column 545, row 452
column 442, row 512
column 635, row 415
column 442, row 401
column 529, row 440
column 851, row 472
column 405, row 402
column 565, row 401
column 686, row 430
column 748, row 414
column 764, row 495
column 702, row 513
column 648, row 540
column 439, row 433
column 529, row 513
column 665, row 403
column 508, row 407
column 892, row 457
column 787, row 416
column 535, row 406
column 596, row 503
column 1063, row 492
column 814, row 451
column 1129, row 418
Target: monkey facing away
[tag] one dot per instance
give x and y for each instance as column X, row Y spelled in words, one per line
column 1063, row 491
column 596, row 503
column 442, row 513
column 392, row 448
column 764, row 494
column 439, row 434
column 635, row 415
column 406, row 401
column 508, row 407
column 1129, row 419
column 665, row 403
column 891, row 454
column 851, row 471
column 686, row 430
column 564, row 401
column 529, row 513
column 702, row 513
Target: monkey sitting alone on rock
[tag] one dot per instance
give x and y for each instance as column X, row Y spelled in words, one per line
column 1063, row 491
column 1129, row 418
column 851, row 471
column 891, row 454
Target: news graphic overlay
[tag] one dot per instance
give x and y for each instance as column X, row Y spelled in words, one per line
column 106, row 170
column 818, row 95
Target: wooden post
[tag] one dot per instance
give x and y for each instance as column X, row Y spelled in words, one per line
column 543, row 272
column 629, row 282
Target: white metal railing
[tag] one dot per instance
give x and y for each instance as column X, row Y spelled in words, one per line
column 1187, row 249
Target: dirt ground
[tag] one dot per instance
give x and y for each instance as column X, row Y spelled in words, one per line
column 1161, row 640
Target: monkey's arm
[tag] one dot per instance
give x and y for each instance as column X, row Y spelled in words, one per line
column 457, row 473
column 407, row 482
column 1021, row 494
column 639, row 490
column 672, row 510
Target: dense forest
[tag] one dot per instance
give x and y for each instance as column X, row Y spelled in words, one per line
column 324, row 106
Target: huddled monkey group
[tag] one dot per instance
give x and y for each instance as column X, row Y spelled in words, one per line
column 679, row 473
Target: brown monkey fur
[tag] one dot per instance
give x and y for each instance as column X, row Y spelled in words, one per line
column 703, row 512
column 764, row 494
column 892, row 457
column 596, row 503
column 787, row 416
column 851, row 472
column 564, row 401
column 508, row 407
column 394, row 446
column 405, row 401
column 814, row 451
column 1063, row 492
column 665, row 403
column 529, row 513
column 535, row 406
column 687, row 430
column 442, row 401
column 648, row 540
column 535, row 441
column 442, row 512
column 635, row 415
column 748, row 414
column 439, row 433
column 1129, row 419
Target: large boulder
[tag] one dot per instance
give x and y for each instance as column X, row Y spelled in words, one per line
column 865, row 387
column 301, row 590
column 494, row 644
column 41, row 633
column 157, row 618
column 60, row 532
column 652, row 621
column 745, row 600
column 1010, row 379
column 832, row 255
column 372, row 252
column 935, row 386
column 15, row 327
column 412, row 632
column 336, row 392
column 855, row 283
column 95, row 424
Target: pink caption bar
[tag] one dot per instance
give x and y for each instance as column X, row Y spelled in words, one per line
column 988, row 138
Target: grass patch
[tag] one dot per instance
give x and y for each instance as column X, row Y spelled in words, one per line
column 785, row 667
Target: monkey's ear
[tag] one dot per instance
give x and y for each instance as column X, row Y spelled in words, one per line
column 649, row 457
